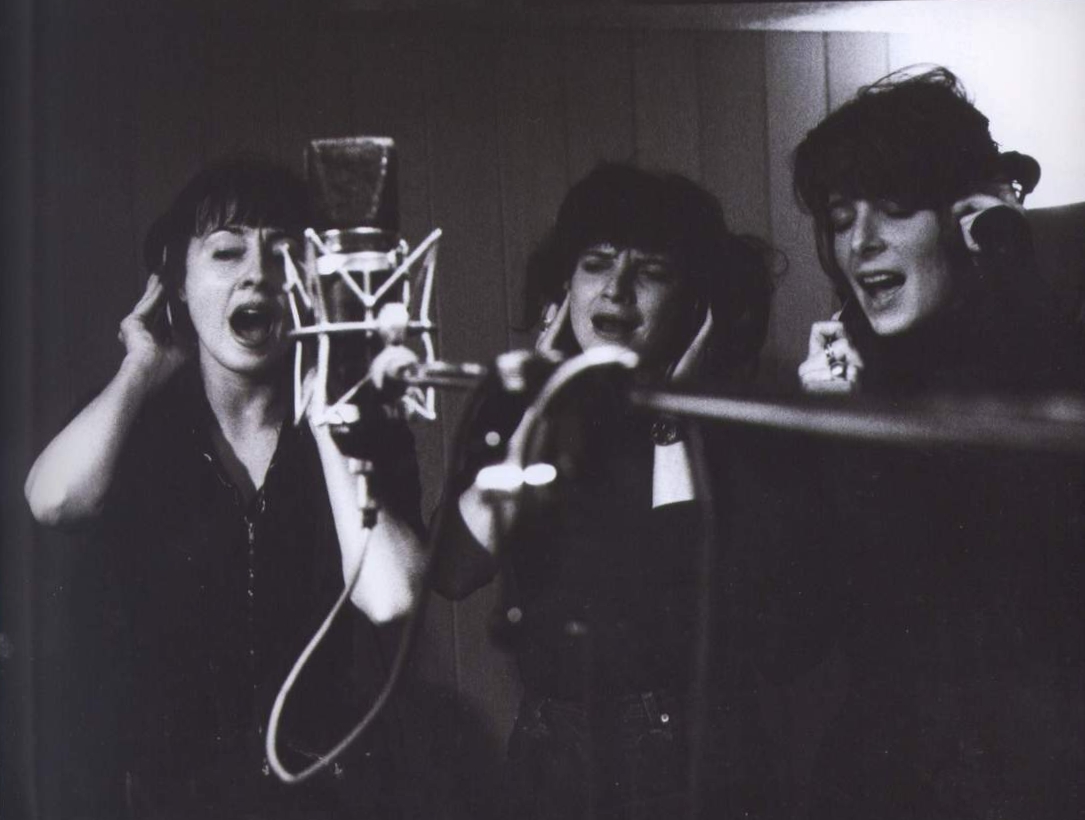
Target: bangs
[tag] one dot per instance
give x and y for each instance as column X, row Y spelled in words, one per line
column 879, row 170
column 236, row 191
column 266, row 199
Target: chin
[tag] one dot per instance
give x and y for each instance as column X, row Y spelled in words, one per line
column 257, row 362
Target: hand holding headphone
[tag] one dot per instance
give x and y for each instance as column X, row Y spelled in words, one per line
column 151, row 347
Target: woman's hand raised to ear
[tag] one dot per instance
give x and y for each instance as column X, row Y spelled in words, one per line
column 70, row 479
column 151, row 350
column 965, row 210
column 833, row 365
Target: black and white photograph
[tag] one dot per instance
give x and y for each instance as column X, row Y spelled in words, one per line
column 543, row 410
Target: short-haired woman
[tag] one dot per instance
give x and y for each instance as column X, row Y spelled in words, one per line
column 228, row 532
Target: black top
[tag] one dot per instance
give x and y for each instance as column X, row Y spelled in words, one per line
column 953, row 585
column 215, row 598
column 954, row 588
column 609, row 593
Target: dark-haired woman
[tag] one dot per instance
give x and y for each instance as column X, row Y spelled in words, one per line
column 228, row 532
column 955, row 582
column 603, row 568
column 902, row 182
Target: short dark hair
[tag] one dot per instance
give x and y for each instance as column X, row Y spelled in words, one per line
column 914, row 139
column 661, row 212
column 239, row 190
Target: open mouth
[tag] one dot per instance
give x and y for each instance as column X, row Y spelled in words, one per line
column 253, row 325
column 612, row 327
column 881, row 286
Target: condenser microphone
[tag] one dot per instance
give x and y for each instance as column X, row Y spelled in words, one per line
column 353, row 188
column 353, row 183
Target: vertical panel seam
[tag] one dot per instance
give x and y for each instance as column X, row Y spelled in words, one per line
column 497, row 85
column 699, row 90
column 631, row 42
column 566, row 50
column 826, row 50
column 766, row 93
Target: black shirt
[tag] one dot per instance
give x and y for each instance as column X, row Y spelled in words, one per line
column 215, row 599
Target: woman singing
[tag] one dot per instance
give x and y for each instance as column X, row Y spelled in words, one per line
column 602, row 568
column 954, row 581
column 226, row 531
column 905, row 183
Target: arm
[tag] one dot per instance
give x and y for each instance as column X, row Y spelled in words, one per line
column 467, row 544
column 394, row 559
column 71, row 478
column 472, row 528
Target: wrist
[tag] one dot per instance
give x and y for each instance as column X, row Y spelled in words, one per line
column 135, row 378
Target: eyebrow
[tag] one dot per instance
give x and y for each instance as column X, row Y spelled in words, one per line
column 601, row 249
column 270, row 234
column 610, row 251
column 235, row 230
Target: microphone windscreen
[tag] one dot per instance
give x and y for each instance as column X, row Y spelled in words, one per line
column 353, row 183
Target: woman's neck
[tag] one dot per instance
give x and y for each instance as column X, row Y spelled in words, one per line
column 249, row 411
column 241, row 401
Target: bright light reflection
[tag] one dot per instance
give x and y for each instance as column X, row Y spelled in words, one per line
column 538, row 475
column 499, row 478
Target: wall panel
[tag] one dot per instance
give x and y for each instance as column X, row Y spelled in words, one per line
column 797, row 100
column 854, row 60
column 734, row 162
column 466, row 204
column 173, row 116
column 532, row 158
column 243, row 97
column 666, row 101
column 83, row 285
column 313, row 75
column 598, row 99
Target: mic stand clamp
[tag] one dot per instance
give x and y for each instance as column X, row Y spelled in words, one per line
column 362, row 469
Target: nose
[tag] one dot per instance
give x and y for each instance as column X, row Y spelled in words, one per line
column 866, row 234
column 266, row 267
column 619, row 284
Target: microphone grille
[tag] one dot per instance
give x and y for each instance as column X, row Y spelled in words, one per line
column 353, row 182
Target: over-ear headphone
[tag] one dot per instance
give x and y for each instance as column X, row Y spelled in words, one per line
column 159, row 260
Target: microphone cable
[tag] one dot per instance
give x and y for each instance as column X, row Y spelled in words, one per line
column 410, row 631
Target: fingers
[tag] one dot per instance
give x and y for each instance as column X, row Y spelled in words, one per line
column 555, row 322
column 390, row 363
column 818, row 375
column 136, row 327
column 841, row 350
column 966, row 210
column 152, row 295
column 824, row 333
column 833, row 364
